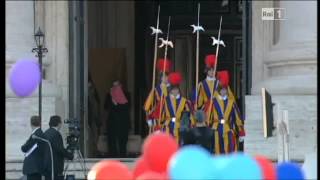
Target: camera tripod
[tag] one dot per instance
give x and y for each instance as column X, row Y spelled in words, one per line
column 77, row 157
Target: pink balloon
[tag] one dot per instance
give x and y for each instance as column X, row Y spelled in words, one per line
column 24, row 77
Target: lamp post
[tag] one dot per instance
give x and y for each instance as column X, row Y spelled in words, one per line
column 40, row 50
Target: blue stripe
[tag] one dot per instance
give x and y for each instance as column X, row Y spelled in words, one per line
column 233, row 117
column 171, row 110
column 225, row 104
column 220, row 130
column 231, row 149
column 206, row 89
column 159, row 90
column 220, row 114
column 171, row 128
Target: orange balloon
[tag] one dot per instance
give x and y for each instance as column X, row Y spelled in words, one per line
column 110, row 170
column 150, row 175
column 158, row 148
column 140, row 167
column 268, row 169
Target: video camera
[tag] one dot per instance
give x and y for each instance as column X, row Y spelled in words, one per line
column 74, row 133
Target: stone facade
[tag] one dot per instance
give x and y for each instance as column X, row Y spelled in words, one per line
column 284, row 61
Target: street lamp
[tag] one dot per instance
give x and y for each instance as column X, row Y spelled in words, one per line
column 40, row 50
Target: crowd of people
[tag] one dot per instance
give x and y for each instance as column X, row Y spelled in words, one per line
column 211, row 115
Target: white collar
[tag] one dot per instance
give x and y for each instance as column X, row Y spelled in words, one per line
column 210, row 78
column 35, row 130
column 177, row 97
column 224, row 97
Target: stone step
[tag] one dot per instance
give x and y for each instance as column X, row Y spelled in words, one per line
column 14, row 167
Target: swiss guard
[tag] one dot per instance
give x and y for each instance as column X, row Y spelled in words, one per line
column 153, row 101
column 175, row 106
column 228, row 124
column 206, row 88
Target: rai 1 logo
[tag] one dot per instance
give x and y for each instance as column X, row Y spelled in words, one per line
column 273, row 14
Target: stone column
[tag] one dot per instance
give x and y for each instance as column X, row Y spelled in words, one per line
column 284, row 62
column 289, row 66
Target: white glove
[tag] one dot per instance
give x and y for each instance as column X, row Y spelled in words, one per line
column 241, row 138
column 149, row 121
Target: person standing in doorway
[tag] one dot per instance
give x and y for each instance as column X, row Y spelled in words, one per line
column 93, row 114
column 34, row 152
column 117, row 106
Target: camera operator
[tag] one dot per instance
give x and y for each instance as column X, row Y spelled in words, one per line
column 58, row 150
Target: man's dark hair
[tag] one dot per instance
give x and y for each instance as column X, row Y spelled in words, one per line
column 54, row 121
column 35, row 121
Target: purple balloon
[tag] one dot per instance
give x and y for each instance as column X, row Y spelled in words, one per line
column 25, row 77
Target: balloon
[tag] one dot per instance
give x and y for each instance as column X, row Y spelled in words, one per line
column 191, row 162
column 240, row 166
column 24, row 77
column 158, row 149
column 141, row 167
column 150, row 175
column 268, row 169
column 289, row 171
column 109, row 170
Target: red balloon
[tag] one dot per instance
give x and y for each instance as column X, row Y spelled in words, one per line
column 110, row 170
column 268, row 169
column 150, row 175
column 157, row 151
column 141, row 167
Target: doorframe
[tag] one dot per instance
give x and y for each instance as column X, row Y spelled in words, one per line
column 78, row 68
column 246, row 50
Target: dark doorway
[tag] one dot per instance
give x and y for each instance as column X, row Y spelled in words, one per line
column 183, row 14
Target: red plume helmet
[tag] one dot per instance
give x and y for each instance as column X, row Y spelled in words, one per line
column 210, row 60
column 164, row 65
column 223, row 77
column 175, row 78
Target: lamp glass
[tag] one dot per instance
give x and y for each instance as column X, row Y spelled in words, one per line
column 39, row 38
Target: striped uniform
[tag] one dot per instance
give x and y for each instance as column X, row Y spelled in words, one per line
column 227, row 124
column 152, row 103
column 173, row 110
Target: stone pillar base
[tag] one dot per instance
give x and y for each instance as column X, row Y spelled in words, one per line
column 302, row 115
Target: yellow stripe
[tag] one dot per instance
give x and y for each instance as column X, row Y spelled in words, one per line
column 228, row 109
column 226, row 143
column 216, row 142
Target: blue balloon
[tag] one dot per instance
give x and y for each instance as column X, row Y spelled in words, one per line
column 238, row 166
column 289, row 171
column 191, row 162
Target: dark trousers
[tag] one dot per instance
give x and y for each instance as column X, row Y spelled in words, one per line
column 56, row 177
column 117, row 142
column 35, row 176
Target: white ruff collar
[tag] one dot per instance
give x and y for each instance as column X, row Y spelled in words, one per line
column 210, row 78
column 177, row 97
column 223, row 98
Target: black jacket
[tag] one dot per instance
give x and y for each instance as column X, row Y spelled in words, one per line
column 34, row 162
column 202, row 136
column 59, row 153
column 118, row 115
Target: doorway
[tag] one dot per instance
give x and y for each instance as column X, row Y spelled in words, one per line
column 118, row 33
column 234, row 57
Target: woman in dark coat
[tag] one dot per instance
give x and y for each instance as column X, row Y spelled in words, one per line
column 118, row 120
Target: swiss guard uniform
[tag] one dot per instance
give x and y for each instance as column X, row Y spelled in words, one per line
column 175, row 106
column 228, row 124
column 205, row 88
column 152, row 103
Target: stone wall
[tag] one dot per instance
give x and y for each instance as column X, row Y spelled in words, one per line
column 302, row 116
